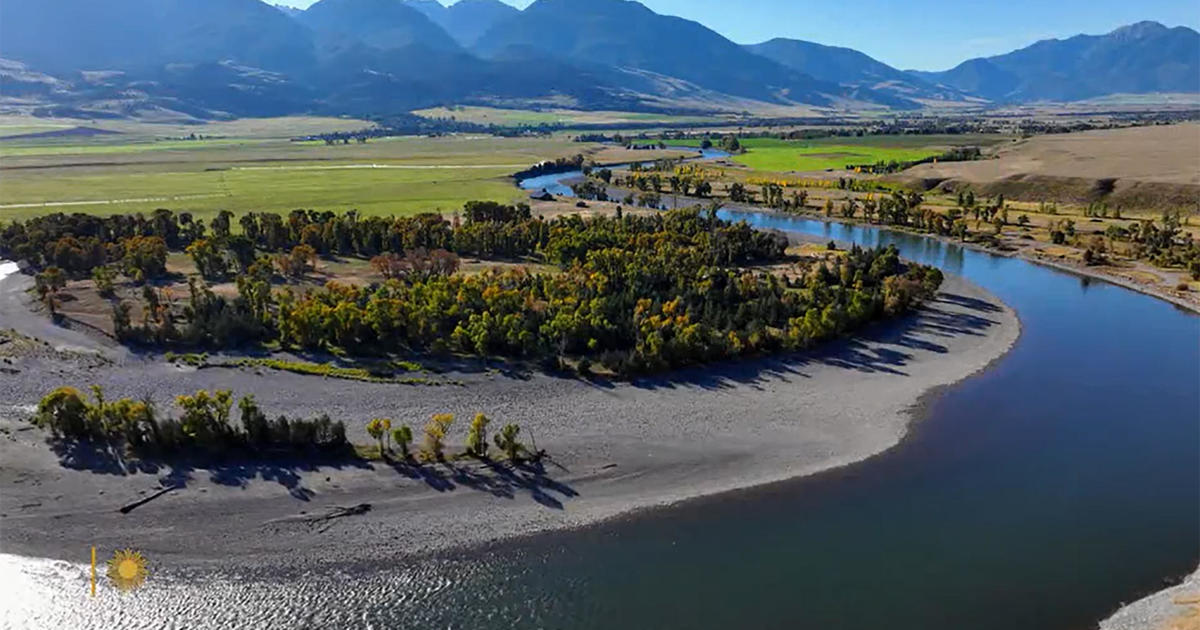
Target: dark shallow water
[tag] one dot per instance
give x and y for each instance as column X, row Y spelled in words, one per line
column 1039, row 494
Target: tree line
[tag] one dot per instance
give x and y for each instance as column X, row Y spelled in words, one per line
column 206, row 424
column 210, row 424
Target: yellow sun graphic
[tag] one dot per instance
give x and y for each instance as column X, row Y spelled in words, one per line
column 127, row 569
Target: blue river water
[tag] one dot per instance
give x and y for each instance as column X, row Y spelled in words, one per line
column 1039, row 494
column 555, row 183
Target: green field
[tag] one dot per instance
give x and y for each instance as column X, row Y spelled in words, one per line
column 275, row 188
column 834, row 153
column 131, row 172
column 16, row 148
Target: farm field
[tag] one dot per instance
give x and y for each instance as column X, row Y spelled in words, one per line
column 776, row 155
column 114, row 174
column 377, row 189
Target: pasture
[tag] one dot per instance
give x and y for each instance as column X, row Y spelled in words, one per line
column 138, row 172
column 780, row 156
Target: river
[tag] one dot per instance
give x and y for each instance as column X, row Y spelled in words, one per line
column 1040, row 494
column 558, row 183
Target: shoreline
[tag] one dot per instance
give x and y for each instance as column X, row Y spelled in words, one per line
column 1082, row 272
column 618, row 448
column 1179, row 603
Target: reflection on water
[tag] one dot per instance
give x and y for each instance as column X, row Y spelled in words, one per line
column 1038, row 495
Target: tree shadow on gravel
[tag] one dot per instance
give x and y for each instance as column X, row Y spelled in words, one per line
column 282, row 468
column 502, row 480
column 883, row 347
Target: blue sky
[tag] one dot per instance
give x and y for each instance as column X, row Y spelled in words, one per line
column 916, row 34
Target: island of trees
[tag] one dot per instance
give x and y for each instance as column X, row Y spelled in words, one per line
column 633, row 293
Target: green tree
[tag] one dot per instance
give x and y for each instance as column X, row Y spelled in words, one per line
column 48, row 283
column 205, row 416
column 403, row 436
column 506, row 441
column 104, row 277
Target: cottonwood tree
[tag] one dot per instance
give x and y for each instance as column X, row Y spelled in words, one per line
column 477, row 443
column 435, row 435
column 378, row 429
column 48, row 284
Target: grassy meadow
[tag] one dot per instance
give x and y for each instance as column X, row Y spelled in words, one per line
column 776, row 155
column 144, row 167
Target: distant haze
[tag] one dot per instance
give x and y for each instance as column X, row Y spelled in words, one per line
column 913, row 34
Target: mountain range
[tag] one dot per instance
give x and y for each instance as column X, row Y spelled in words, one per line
column 247, row 57
column 1136, row 59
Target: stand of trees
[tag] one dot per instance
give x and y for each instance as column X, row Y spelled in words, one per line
column 206, row 424
column 637, row 294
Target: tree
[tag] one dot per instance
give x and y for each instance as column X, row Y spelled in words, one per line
column 209, row 259
column 104, row 277
column 254, row 421
column 378, row 429
column 477, row 443
column 506, row 440
column 145, row 257
column 435, row 435
column 64, row 412
column 122, row 325
column 48, row 283
column 301, row 260
column 206, row 416
column 403, row 436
